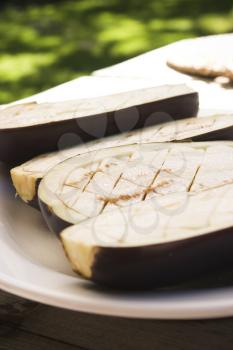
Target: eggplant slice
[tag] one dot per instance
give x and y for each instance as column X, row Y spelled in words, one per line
column 143, row 215
column 30, row 129
column 199, row 56
column 26, row 177
column 144, row 247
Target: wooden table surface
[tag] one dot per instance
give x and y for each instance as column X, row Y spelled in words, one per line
column 29, row 325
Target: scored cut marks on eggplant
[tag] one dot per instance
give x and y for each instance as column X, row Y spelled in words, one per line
column 29, row 129
column 27, row 176
column 137, row 214
column 145, row 247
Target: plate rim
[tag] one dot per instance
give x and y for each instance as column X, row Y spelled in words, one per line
column 212, row 309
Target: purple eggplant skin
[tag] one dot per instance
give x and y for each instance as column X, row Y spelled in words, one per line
column 34, row 203
column 54, row 223
column 165, row 264
column 20, row 144
column 155, row 265
column 216, row 135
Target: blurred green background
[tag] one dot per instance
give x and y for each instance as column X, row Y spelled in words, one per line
column 44, row 43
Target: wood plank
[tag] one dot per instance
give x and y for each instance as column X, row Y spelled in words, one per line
column 44, row 327
column 19, row 340
column 13, row 308
column 100, row 333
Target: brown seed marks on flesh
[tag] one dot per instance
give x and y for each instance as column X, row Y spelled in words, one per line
column 126, row 197
column 116, row 182
column 157, row 174
column 89, row 174
column 222, row 184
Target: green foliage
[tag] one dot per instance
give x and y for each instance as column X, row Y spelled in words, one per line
column 42, row 45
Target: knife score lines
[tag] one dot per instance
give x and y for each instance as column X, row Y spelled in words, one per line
column 121, row 181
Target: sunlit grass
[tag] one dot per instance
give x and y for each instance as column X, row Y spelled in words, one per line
column 215, row 24
column 16, row 67
column 127, row 36
column 45, row 45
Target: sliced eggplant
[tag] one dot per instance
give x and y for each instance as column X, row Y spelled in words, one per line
column 87, row 185
column 26, row 177
column 30, row 129
column 198, row 56
column 143, row 215
column 144, row 247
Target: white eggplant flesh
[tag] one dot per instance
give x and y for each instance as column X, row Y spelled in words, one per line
column 27, row 176
column 30, row 129
column 143, row 215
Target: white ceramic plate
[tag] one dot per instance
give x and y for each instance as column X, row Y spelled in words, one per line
column 32, row 265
